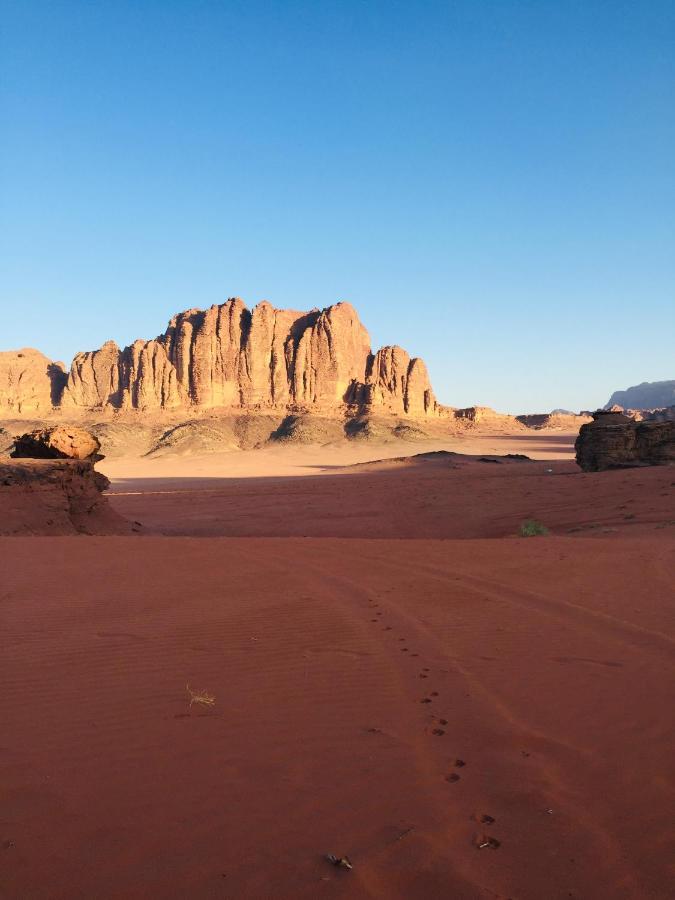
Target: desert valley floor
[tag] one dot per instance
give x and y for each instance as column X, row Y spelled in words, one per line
column 398, row 678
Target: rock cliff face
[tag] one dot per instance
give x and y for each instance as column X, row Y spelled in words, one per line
column 228, row 356
column 613, row 441
column 398, row 383
column 29, row 382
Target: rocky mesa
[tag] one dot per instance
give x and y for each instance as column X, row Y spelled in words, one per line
column 231, row 357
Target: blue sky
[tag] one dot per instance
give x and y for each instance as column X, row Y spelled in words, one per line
column 491, row 184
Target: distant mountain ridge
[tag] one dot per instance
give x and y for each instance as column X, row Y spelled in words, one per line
column 648, row 395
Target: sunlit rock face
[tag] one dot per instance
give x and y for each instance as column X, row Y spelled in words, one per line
column 231, row 357
column 30, row 383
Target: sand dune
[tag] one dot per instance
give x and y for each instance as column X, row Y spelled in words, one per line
column 548, row 666
column 446, row 496
column 463, row 713
column 309, row 459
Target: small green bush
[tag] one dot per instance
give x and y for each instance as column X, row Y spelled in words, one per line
column 532, row 528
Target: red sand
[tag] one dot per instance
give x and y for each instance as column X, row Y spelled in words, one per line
column 442, row 497
column 548, row 662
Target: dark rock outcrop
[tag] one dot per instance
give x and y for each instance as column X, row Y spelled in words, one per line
column 613, row 440
column 660, row 415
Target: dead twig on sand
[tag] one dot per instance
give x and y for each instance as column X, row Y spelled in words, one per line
column 201, row 697
column 404, row 834
column 342, row 862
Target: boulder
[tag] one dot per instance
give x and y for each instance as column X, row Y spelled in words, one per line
column 57, row 442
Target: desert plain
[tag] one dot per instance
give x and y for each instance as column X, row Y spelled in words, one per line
column 390, row 673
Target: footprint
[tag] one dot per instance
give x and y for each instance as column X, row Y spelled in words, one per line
column 443, row 721
column 434, row 693
column 452, row 778
column 423, row 676
column 414, row 654
column 459, row 763
column 425, row 670
column 388, row 628
column 426, row 700
column 438, row 731
column 487, row 820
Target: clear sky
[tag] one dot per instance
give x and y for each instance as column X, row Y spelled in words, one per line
column 490, row 183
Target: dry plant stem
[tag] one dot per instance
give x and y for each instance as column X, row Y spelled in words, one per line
column 202, row 697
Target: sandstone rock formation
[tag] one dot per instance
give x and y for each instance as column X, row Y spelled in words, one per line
column 230, row 357
column 485, row 416
column 562, row 421
column 56, row 496
column 613, row 440
column 648, row 395
column 57, row 442
column 29, row 382
column 398, row 383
